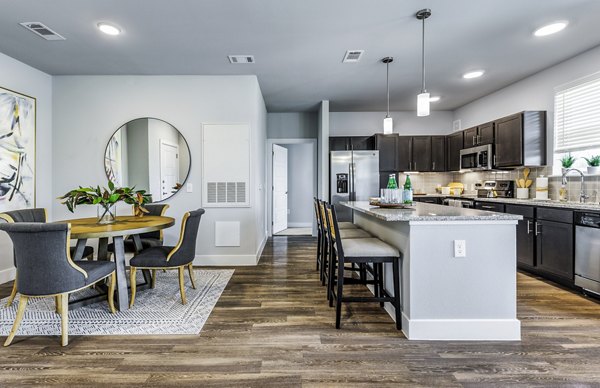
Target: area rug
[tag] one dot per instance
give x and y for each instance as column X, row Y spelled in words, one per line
column 156, row 311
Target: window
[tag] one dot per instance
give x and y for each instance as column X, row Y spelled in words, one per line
column 577, row 120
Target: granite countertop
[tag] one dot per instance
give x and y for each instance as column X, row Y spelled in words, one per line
column 425, row 212
column 551, row 203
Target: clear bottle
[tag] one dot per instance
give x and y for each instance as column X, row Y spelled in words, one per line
column 563, row 193
column 407, row 195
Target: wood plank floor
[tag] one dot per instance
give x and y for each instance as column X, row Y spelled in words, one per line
column 272, row 327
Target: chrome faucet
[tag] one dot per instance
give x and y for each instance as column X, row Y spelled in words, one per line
column 582, row 195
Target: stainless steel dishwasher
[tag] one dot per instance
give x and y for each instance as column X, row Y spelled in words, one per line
column 587, row 251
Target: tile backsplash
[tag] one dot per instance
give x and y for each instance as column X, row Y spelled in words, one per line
column 427, row 182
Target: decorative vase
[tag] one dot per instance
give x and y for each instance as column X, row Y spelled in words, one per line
column 107, row 214
column 522, row 193
column 593, row 170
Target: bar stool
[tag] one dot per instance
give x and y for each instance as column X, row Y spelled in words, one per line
column 348, row 233
column 362, row 251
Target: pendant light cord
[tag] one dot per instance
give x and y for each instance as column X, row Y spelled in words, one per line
column 423, row 59
column 387, row 81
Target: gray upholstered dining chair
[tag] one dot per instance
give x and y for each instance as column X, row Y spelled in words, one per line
column 150, row 239
column 168, row 257
column 47, row 270
column 32, row 215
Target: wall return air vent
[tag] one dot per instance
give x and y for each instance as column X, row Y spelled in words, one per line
column 241, row 59
column 42, row 30
column 352, row 56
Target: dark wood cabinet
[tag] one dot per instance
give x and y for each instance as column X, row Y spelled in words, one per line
column 438, row 153
column 479, row 135
column 339, row 143
column 433, row 200
column 520, row 140
column 404, row 153
column 387, row 146
column 348, row 143
column 554, row 246
column 421, row 153
column 470, row 137
column 454, row 143
column 526, row 243
column 492, row 207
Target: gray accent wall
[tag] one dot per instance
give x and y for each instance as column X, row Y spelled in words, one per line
column 301, row 184
column 292, row 125
column 25, row 79
column 405, row 123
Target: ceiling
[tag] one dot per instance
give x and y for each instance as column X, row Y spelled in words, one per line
column 299, row 45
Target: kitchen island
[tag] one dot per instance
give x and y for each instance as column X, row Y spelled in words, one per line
column 446, row 297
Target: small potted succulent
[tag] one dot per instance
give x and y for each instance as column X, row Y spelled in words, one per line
column 567, row 161
column 106, row 200
column 593, row 164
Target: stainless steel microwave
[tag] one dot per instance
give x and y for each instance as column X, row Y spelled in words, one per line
column 476, row 158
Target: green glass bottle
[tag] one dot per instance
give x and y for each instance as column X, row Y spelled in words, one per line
column 392, row 184
column 407, row 195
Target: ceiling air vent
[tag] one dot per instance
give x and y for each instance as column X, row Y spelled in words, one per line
column 352, row 56
column 241, row 59
column 41, row 30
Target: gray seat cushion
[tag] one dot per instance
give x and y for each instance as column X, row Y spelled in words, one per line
column 87, row 251
column 368, row 247
column 96, row 270
column 152, row 257
column 354, row 233
column 346, row 225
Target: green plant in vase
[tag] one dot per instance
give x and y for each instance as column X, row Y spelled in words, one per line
column 593, row 164
column 567, row 160
column 106, row 200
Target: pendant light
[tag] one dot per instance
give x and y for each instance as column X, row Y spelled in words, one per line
column 423, row 97
column 388, row 123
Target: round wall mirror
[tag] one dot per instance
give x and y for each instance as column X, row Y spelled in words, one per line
column 149, row 154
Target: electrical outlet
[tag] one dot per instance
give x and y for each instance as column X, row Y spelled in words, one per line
column 189, row 188
column 460, row 248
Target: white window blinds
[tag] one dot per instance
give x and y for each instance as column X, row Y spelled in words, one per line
column 577, row 116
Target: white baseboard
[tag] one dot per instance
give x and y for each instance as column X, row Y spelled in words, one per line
column 299, row 224
column 231, row 260
column 7, row 275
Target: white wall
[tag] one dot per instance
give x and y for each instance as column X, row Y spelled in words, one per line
column 323, row 150
column 301, row 184
column 87, row 109
column 405, row 123
column 532, row 93
column 24, row 79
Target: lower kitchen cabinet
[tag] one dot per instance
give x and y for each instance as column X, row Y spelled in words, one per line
column 492, row 207
column 554, row 246
column 526, row 243
column 434, row 200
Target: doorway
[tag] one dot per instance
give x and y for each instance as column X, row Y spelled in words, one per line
column 293, row 181
column 169, row 168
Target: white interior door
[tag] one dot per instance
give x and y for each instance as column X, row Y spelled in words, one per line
column 280, row 188
column 169, row 168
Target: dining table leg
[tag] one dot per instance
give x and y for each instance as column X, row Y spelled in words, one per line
column 122, row 295
column 79, row 247
column 103, row 248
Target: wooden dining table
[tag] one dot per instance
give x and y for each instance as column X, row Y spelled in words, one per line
column 83, row 229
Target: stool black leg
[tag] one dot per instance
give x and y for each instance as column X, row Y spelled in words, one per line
column 331, row 273
column 380, row 282
column 324, row 257
column 376, row 288
column 340, row 286
column 397, row 294
column 319, row 258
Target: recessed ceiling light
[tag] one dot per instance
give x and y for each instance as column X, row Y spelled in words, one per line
column 109, row 29
column 473, row 74
column 434, row 99
column 550, row 29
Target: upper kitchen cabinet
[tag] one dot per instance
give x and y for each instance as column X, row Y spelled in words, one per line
column 438, row 153
column 421, row 153
column 387, row 145
column 349, row 143
column 404, row 153
column 479, row 135
column 520, row 140
column 454, row 143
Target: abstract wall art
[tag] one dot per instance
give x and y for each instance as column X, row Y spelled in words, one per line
column 17, row 150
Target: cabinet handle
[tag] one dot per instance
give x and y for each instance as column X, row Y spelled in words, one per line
column 415, row 166
column 478, row 139
column 494, row 160
column 529, row 227
column 433, row 166
column 474, row 139
column 487, row 207
column 537, row 225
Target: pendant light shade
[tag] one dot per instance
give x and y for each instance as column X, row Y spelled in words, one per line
column 388, row 122
column 423, row 97
column 423, row 104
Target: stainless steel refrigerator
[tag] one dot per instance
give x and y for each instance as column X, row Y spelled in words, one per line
column 354, row 176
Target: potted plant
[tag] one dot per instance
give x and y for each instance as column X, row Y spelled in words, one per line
column 593, row 164
column 567, row 161
column 106, row 200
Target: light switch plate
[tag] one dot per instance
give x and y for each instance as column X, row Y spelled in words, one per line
column 460, row 248
column 189, row 188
